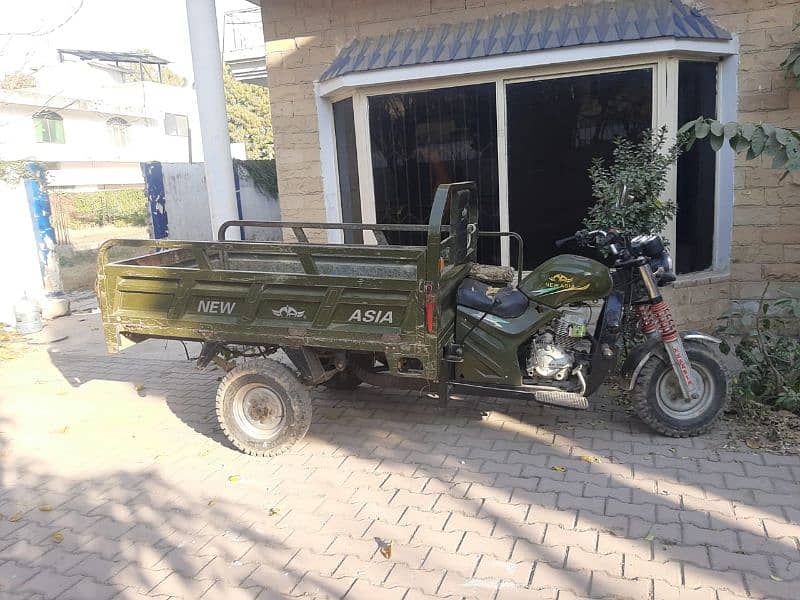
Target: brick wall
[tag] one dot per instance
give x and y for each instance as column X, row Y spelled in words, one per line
column 766, row 233
column 304, row 36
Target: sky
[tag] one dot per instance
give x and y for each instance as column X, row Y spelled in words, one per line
column 32, row 31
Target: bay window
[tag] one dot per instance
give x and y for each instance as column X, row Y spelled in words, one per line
column 527, row 136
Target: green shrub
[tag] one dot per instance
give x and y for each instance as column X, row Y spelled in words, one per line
column 641, row 167
column 769, row 349
column 127, row 207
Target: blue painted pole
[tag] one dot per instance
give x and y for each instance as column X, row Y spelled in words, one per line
column 154, row 190
column 39, row 205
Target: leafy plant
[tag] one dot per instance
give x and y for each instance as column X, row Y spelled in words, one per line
column 791, row 64
column 14, row 171
column 753, row 140
column 750, row 139
column 641, row 167
column 262, row 172
column 769, row 351
column 249, row 117
column 107, row 207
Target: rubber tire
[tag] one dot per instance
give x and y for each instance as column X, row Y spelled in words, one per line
column 646, row 405
column 282, row 381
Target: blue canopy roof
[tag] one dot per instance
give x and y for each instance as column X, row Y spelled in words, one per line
column 539, row 29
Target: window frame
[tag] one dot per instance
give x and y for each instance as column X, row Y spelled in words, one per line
column 177, row 133
column 118, row 129
column 663, row 56
column 43, row 119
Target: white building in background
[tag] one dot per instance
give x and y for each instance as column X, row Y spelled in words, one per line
column 92, row 123
column 243, row 48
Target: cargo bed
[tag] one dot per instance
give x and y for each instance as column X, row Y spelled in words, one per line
column 298, row 294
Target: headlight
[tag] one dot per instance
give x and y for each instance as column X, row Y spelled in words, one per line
column 651, row 246
column 662, row 268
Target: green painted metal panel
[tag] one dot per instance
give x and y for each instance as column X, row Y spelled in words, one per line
column 347, row 297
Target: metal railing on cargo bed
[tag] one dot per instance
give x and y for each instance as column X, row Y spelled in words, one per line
column 383, row 297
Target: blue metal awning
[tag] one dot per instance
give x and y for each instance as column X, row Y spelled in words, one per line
column 542, row 29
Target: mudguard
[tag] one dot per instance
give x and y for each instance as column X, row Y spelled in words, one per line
column 639, row 356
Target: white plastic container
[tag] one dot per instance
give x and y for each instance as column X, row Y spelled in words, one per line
column 28, row 316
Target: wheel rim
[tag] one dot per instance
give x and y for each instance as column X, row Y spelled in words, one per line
column 670, row 397
column 259, row 411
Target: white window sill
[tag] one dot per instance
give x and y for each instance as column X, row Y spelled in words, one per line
column 703, row 278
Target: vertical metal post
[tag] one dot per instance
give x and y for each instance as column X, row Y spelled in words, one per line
column 207, row 63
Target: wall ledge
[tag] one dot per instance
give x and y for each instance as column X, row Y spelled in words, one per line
column 702, row 278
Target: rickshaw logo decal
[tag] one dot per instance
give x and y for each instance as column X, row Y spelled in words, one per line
column 561, row 282
column 289, row 312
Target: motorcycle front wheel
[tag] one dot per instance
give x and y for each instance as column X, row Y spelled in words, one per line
column 658, row 401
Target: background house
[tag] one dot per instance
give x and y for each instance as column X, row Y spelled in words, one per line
column 375, row 103
column 91, row 119
column 243, row 45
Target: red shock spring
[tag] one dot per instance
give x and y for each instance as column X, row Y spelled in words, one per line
column 647, row 324
column 666, row 324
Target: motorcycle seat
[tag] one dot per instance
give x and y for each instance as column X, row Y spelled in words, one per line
column 505, row 302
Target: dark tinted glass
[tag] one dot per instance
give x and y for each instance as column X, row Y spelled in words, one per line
column 555, row 128
column 697, row 96
column 347, row 163
column 424, row 139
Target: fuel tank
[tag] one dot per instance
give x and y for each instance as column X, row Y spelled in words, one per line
column 566, row 279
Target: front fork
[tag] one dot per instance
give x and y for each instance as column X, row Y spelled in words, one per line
column 656, row 318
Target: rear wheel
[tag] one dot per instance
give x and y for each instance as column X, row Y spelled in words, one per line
column 658, row 400
column 263, row 408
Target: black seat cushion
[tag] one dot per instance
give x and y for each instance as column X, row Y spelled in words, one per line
column 504, row 302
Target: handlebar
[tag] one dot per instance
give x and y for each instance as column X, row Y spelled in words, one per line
column 565, row 241
column 593, row 238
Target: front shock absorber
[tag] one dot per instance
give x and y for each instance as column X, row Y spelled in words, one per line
column 662, row 315
column 674, row 345
column 647, row 322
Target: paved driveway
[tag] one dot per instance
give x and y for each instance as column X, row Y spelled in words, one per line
column 116, row 482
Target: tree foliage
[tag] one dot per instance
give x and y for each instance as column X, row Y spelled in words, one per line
column 249, row 118
column 150, row 73
column 642, row 167
column 13, row 172
column 752, row 140
column 17, row 80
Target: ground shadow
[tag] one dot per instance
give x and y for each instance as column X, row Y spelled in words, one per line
column 560, row 492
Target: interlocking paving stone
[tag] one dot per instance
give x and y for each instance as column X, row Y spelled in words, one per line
column 141, row 489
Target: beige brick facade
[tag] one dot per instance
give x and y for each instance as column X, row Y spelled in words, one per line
column 304, row 36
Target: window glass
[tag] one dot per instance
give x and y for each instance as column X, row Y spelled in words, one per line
column 697, row 169
column 347, row 163
column 48, row 127
column 555, row 128
column 177, row 125
column 118, row 129
column 421, row 140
